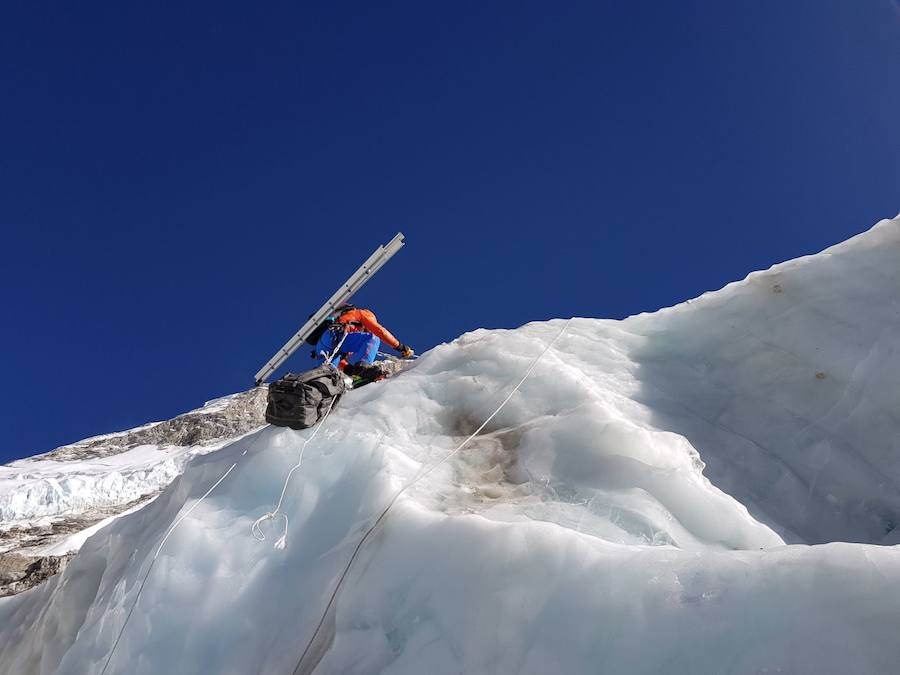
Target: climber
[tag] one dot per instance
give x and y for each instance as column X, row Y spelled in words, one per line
column 362, row 336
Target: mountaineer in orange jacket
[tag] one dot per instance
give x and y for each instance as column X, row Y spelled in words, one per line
column 362, row 336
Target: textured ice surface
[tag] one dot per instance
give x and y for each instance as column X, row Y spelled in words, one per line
column 43, row 498
column 47, row 488
column 580, row 533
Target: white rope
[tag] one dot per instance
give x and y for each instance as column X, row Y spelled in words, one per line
column 159, row 549
column 492, row 415
column 415, row 480
column 255, row 530
column 282, row 541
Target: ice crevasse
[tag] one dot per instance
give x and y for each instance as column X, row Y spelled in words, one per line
column 711, row 488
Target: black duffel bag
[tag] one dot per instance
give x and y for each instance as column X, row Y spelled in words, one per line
column 299, row 401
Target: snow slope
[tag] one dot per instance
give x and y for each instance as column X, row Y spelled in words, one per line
column 45, row 498
column 44, row 488
column 578, row 533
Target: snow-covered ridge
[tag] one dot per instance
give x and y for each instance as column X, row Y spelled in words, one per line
column 627, row 511
column 45, row 490
column 219, row 419
column 114, row 470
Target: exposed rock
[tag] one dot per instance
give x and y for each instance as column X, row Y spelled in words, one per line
column 19, row 572
column 218, row 421
column 235, row 415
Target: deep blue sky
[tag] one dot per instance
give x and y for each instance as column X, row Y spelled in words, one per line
column 181, row 185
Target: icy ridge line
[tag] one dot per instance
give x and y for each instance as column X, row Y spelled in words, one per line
column 628, row 509
column 116, row 469
column 77, row 494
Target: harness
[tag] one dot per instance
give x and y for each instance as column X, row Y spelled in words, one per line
column 339, row 331
column 337, row 328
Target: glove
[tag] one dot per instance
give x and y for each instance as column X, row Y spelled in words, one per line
column 405, row 351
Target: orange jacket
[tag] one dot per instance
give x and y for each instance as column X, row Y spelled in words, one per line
column 364, row 319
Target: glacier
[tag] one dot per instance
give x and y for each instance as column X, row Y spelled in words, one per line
column 46, row 498
column 710, row 488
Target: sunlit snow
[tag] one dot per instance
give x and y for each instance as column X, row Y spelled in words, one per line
column 658, row 497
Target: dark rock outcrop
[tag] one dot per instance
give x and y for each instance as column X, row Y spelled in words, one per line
column 19, row 572
column 236, row 415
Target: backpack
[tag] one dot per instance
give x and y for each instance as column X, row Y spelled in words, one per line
column 313, row 338
column 299, row 401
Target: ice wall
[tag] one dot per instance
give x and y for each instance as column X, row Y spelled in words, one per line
column 788, row 384
column 579, row 533
column 46, row 489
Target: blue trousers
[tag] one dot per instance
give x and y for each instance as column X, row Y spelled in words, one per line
column 360, row 347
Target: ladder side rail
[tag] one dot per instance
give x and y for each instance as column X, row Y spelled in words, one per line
column 356, row 281
column 316, row 318
column 389, row 250
column 346, row 290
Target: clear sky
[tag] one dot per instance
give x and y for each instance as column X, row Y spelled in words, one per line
column 181, row 184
